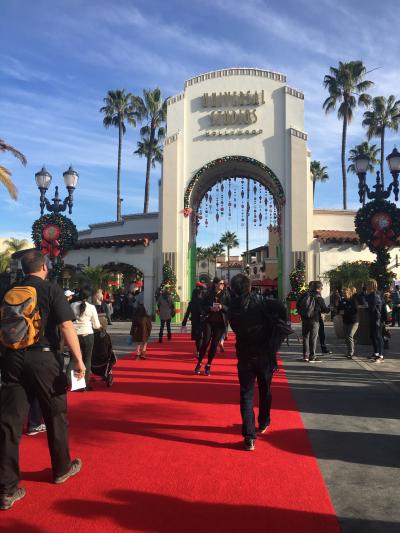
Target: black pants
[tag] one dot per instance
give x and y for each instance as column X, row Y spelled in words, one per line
column 163, row 323
column 309, row 331
column 212, row 334
column 375, row 333
column 321, row 334
column 86, row 343
column 249, row 370
column 396, row 316
column 25, row 375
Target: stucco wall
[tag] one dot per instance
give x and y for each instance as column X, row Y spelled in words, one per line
column 334, row 219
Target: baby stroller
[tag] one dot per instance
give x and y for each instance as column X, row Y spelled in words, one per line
column 103, row 356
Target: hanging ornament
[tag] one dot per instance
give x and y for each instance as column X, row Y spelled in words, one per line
column 266, row 205
column 229, row 200
column 275, row 217
column 254, row 203
column 242, row 202
column 210, row 203
column 260, row 204
column 222, row 208
column 234, row 195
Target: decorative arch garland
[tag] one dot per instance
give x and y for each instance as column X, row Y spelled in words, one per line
column 278, row 193
column 54, row 234
column 378, row 225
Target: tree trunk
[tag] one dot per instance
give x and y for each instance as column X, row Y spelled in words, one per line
column 313, row 191
column 148, row 170
column 119, row 217
column 229, row 270
column 382, row 155
column 344, row 174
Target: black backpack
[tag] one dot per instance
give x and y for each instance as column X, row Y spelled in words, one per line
column 306, row 305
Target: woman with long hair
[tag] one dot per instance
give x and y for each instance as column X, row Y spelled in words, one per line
column 348, row 309
column 86, row 321
column 141, row 330
column 375, row 303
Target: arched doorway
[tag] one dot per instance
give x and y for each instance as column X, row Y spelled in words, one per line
column 265, row 188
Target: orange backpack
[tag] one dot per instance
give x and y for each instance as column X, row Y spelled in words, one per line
column 20, row 318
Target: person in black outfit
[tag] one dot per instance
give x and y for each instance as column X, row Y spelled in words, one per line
column 260, row 326
column 375, row 304
column 194, row 312
column 37, row 371
column 348, row 309
column 310, row 324
column 214, row 323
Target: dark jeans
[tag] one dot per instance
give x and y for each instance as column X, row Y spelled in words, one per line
column 35, row 416
column 375, row 333
column 396, row 316
column 212, row 334
column 309, row 331
column 24, row 376
column 321, row 334
column 86, row 343
column 163, row 323
column 249, row 370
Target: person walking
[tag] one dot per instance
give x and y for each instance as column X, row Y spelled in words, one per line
column 214, row 323
column 86, row 321
column 166, row 309
column 348, row 309
column 141, row 330
column 260, row 327
column 375, row 304
column 310, row 306
column 194, row 313
column 30, row 367
column 396, row 306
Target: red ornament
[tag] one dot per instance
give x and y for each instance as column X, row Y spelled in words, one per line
column 187, row 211
column 383, row 234
column 51, row 232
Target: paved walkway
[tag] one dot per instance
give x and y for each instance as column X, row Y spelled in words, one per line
column 351, row 411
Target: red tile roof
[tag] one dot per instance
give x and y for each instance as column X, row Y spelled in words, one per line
column 328, row 235
column 117, row 241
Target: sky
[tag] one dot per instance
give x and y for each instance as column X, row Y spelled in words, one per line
column 59, row 58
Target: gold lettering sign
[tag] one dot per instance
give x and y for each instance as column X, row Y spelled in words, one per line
column 233, row 99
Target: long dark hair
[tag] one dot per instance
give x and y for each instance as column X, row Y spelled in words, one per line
column 84, row 294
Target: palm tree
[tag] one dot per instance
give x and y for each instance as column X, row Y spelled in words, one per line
column 216, row 250
column 153, row 153
column 366, row 149
column 97, row 277
column 230, row 240
column 346, row 86
column 12, row 245
column 318, row 173
column 119, row 109
column 385, row 114
column 5, row 174
column 152, row 110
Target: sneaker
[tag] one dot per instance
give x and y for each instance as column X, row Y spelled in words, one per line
column 326, row 350
column 76, row 465
column 249, row 444
column 349, row 356
column 36, row 430
column 306, row 358
column 314, row 360
column 263, row 429
column 207, row 370
column 197, row 370
column 379, row 359
column 8, row 500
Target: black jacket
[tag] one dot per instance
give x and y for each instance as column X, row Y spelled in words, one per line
column 207, row 301
column 320, row 306
column 349, row 308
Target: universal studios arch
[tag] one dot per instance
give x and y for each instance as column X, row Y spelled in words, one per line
column 235, row 123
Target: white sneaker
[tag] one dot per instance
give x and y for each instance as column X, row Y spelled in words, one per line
column 36, row 430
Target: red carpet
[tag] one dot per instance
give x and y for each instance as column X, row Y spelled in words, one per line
column 162, row 452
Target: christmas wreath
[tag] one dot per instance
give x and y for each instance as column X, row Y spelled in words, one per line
column 54, row 234
column 378, row 225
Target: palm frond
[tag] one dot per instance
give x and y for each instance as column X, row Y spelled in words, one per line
column 5, row 179
column 4, row 147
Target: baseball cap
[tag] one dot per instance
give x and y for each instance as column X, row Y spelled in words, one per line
column 68, row 293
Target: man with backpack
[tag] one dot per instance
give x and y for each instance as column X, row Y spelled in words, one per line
column 31, row 313
column 260, row 327
column 310, row 306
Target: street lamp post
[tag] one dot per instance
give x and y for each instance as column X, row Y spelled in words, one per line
column 377, row 222
column 43, row 181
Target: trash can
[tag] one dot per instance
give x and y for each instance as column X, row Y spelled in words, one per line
column 362, row 334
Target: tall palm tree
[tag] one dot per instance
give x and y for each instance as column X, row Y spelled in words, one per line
column 346, row 86
column 200, row 254
column 117, row 110
column 230, row 240
column 153, row 153
column 385, row 114
column 318, row 173
column 5, row 174
column 153, row 111
column 12, row 245
column 365, row 149
column 216, row 250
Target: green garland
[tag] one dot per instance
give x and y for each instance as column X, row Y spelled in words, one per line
column 68, row 235
column 363, row 221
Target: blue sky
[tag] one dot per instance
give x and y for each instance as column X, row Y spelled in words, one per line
column 58, row 59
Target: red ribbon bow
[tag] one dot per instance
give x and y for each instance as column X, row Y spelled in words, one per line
column 51, row 249
column 383, row 238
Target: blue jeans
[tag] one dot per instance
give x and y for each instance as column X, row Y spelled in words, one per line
column 251, row 369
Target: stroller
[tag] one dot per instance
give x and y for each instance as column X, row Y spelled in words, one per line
column 103, row 356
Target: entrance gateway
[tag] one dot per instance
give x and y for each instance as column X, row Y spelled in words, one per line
column 238, row 122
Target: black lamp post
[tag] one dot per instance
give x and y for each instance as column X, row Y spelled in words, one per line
column 43, row 181
column 361, row 163
column 377, row 222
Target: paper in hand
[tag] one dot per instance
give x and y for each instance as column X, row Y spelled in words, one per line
column 77, row 383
